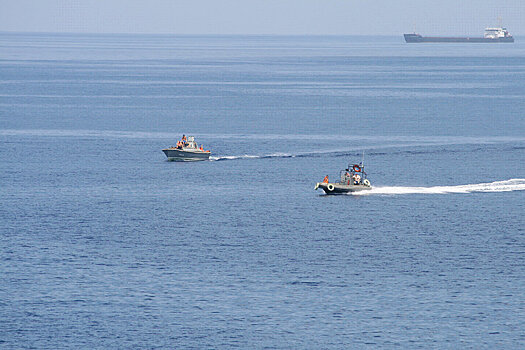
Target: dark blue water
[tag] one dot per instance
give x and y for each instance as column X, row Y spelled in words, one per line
column 105, row 244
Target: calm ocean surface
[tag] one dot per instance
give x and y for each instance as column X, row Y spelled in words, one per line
column 105, row 244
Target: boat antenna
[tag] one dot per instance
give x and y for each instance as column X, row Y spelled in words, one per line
column 363, row 159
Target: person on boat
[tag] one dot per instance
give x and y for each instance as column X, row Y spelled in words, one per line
column 179, row 144
column 202, row 149
column 357, row 179
column 325, row 180
column 184, row 140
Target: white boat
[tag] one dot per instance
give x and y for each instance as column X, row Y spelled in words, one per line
column 186, row 151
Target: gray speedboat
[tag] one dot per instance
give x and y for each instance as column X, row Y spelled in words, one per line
column 352, row 179
column 186, row 151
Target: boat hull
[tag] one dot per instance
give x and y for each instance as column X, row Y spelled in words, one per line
column 181, row 155
column 416, row 38
column 336, row 188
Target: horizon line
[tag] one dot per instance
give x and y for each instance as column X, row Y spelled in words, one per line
column 211, row 34
column 191, row 34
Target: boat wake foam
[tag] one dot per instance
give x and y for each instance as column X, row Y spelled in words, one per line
column 251, row 156
column 320, row 153
column 496, row 186
column 350, row 152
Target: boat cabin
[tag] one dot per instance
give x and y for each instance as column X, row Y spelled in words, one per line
column 190, row 143
column 354, row 174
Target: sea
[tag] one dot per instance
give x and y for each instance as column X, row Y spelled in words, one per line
column 104, row 244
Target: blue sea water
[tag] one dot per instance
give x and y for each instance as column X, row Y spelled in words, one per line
column 105, row 244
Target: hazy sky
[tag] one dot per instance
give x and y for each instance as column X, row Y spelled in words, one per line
column 361, row 17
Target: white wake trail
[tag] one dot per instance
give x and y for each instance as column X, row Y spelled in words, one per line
column 496, row 186
column 252, row 156
column 283, row 154
column 245, row 156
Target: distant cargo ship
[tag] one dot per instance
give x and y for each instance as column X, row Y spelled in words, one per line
column 492, row 35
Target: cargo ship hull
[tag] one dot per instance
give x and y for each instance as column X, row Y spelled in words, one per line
column 416, row 38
